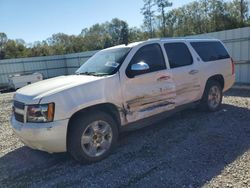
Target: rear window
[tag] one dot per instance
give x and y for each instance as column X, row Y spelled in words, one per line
column 178, row 54
column 210, row 51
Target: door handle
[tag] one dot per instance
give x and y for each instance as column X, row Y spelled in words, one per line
column 192, row 72
column 162, row 78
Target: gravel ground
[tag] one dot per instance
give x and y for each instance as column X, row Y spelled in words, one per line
column 189, row 149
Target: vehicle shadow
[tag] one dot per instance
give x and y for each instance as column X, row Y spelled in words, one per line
column 187, row 149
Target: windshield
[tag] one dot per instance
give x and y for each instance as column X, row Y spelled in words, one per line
column 104, row 62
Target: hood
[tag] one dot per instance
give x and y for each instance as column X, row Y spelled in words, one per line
column 51, row 86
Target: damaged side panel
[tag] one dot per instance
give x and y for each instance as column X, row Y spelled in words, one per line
column 185, row 93
column 147, row 105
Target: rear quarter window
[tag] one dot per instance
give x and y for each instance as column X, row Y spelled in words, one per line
column 210, row 51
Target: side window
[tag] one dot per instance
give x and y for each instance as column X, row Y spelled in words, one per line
column 150, row 54
column 210, row 51
column 178, row 54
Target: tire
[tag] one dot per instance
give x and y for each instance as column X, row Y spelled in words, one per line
column 92, row 137
column 211, row 100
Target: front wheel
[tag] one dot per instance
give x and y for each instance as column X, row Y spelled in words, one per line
column 212, row 97
column 92, row 137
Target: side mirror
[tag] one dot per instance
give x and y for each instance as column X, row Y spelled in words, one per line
column 139, row 67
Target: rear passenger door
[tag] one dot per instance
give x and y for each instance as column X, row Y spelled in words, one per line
column 185, row 72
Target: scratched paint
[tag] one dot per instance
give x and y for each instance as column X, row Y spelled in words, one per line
column 185, row 92
column 148, row 95
column 123, row 115
column 150, row 111
column 185, row 88
column 148, row 105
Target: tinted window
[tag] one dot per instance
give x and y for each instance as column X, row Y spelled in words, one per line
column 150, row 54
column 178, row 54
column 210, row 51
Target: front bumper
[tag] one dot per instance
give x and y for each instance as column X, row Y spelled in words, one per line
column 50, row 137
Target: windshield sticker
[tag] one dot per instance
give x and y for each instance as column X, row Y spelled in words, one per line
column 112, row 64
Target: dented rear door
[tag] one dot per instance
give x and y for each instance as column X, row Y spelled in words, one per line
column 151, row 92
column 185, row 70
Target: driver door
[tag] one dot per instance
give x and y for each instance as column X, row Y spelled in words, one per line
column 149, row 90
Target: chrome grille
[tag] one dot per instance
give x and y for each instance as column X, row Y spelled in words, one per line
column 19, row 105
column 18, row 109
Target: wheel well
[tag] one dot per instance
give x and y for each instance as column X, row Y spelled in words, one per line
column 219, row 78
column 109, row 108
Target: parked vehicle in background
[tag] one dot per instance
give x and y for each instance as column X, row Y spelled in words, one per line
column 20, row 80
column 121, row 88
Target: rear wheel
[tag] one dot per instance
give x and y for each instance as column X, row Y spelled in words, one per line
column 212, row 97
column 92, row 137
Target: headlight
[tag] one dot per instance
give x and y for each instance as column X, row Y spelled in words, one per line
column 40, row 113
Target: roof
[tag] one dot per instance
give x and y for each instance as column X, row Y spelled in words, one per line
column 178, row 39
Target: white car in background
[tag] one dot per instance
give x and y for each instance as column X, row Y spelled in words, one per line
column 121, row 88
column 20, row 80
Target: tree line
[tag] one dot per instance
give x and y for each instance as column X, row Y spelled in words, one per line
column 159, row 21
column 198, row 17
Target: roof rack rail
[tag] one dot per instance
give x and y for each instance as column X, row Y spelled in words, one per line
column 164, row 38
column 183, row 37
column 154, row 39
column 199, row 37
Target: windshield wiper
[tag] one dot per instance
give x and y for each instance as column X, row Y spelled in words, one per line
column 93, row 73
column 86, row 73
column 101, row 74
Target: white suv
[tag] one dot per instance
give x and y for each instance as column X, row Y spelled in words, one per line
column 119, row 88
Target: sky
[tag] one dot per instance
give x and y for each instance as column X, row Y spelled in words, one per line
column 37, row 20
